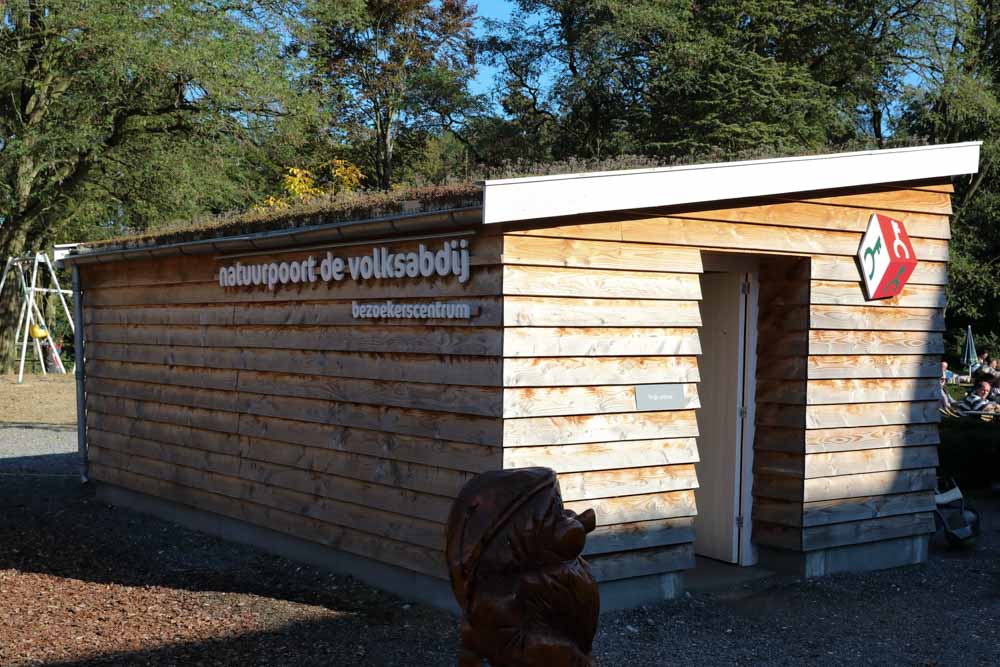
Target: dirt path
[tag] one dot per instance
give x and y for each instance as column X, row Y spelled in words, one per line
column 86, row 584
column 49, row 399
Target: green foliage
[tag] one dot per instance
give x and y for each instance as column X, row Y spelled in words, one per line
column 118, row 114
column 970, row 452
column 115, row 113
column 956, row 100
column 389, row 68
column 593, row 78
column 440, row 158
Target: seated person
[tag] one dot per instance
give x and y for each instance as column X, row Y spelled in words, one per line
column 946, row 400
column 987, row 371
column 947, row 377
column 977, row 400
column 994, row 395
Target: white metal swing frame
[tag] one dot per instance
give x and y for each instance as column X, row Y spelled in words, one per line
column 30, row 313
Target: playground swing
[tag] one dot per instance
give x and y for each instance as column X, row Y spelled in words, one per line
column 31, row 323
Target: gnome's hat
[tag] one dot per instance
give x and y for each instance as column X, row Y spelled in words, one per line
column 484, row 508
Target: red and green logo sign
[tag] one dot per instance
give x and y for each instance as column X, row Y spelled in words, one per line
column 885, row 258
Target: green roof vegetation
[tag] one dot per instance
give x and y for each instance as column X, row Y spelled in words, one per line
column 324, row 210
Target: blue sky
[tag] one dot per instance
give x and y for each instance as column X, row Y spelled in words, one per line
column 491, row 9
column 494, row 9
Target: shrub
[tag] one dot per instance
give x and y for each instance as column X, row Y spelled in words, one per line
column 970, row 452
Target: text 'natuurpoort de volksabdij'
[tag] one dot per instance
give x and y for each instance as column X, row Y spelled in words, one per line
column 452, row 259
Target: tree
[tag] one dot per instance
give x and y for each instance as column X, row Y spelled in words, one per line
column 390, row 66
column 592, row 78
column 955, row 98
column 572, row 74
column 118, row 113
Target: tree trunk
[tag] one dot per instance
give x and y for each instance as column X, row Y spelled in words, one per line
column 387, row 164
column 9, row 303
column 383, row 150
column 11, row 245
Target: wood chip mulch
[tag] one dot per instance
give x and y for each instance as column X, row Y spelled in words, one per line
column 82, row 583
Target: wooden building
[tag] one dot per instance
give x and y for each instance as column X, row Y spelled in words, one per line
column 691, row 348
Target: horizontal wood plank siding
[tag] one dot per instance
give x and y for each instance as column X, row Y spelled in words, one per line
column 826, row 267
column 758, row 238
column 588, row 321
column 179, row 269
column 434, row 369
column 866, row 461
column 783, row 297
column 485, row 282
column 846, row 434
column 304, row 313
column 845, row 534
column 394, row 552
column 283, row 409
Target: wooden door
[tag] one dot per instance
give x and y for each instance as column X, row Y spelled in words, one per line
column 723, row 330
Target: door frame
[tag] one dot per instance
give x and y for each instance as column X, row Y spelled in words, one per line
column 746, row 549
column 748, row 265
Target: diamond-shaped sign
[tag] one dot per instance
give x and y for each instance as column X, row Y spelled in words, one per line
column 885, row 258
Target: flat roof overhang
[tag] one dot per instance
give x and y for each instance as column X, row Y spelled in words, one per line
column 513, row 199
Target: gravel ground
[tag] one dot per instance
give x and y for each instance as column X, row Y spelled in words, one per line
column 42, row 449
column 82, row 583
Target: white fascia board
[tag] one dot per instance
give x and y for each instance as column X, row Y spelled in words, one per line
column 536, row 197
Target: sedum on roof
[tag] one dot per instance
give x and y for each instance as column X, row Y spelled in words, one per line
column 344, row 208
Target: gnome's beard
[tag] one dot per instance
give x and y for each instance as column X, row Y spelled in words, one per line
column 524, row 612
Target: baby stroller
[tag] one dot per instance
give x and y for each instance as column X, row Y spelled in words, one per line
column 958, row 519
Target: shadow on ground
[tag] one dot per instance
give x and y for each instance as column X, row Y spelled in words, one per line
column 55, row 428
column 53, row 526
column 298, row 644
column 42, row 465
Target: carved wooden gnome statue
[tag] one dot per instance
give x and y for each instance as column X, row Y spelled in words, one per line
column 527, row 597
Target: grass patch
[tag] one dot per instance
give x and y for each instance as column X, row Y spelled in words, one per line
column 958, row 391
column 49, row 399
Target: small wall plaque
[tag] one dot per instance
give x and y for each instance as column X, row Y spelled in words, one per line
column 650, row 397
